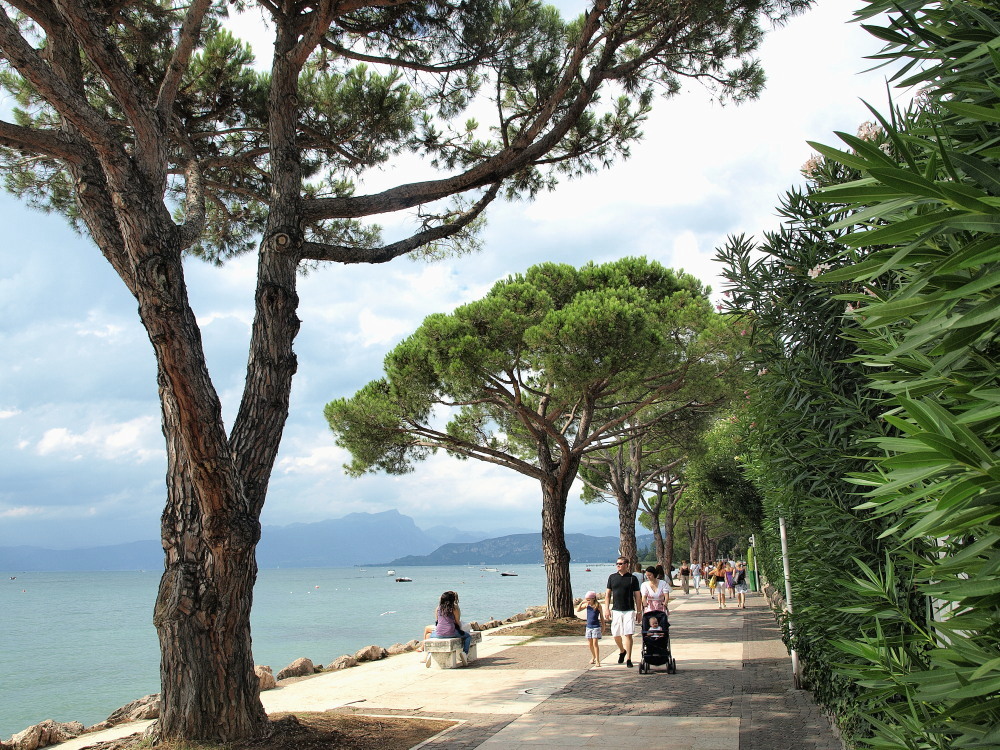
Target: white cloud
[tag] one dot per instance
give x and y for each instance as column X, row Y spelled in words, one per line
column 8, row 413
column 323, row 459
column 23, row 511
column 379, row 330
column 138, row 439
column 98, row 328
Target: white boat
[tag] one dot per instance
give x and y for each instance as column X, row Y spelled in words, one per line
column 489, row 570
column 390, row 572
column 508, row 573
column 403, row 579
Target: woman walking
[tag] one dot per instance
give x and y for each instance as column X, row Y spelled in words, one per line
column 712, row 580
column 685, row 573
column 696, row 576
column 719, row 577
column 740, row 585
column 655, row 592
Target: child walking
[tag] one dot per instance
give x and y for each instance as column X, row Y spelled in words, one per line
column 595, row 623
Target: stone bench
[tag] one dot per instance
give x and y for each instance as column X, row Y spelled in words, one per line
column 446, row 653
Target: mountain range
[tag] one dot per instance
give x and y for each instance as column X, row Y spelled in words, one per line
column 355, row 539
column 518, row 549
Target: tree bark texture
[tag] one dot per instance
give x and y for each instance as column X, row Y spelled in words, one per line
column 661, row 553
column 209, row 532
column 668, row 536
column 202, row 613
column 627, row 545
column 558, row 587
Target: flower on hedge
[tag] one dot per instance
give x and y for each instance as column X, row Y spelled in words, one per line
column 812, row 166
column 869, row 131
column 817, row 270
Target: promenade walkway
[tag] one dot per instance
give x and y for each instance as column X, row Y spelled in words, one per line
column 732, row 691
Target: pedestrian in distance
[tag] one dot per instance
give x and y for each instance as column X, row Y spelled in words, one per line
column 696, row 576
column 719, row 578
column 740, row 584
column 595, row 626
column 730, row 582
column 625, row 602
column 685, row 574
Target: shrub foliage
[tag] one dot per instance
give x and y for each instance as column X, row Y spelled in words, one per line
column 876, row 426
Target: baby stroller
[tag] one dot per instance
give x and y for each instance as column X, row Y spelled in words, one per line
column 656, row 643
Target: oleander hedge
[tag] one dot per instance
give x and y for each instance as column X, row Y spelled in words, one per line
column 875, row 426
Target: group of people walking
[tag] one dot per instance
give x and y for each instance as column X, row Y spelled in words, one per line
column 727, row 579
column 629, row 599
column 624, row 602
column 722, row 578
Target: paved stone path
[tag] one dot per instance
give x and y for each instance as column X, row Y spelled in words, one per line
column 732, row 691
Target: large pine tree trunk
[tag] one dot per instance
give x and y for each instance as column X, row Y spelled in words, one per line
column 629, row 494
column 217, row 484
column 668, row 538
column 627, row 545
column 555, row 554
column 209, row 531
column 202, row 616
column 661, row 547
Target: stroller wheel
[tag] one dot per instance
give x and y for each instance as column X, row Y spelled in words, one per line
column 672, row 667
column 643, row 668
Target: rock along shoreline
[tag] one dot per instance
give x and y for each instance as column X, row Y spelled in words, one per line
column 50, row 732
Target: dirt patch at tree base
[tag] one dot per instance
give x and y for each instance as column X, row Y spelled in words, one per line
column 546, row 628
column 315, row 731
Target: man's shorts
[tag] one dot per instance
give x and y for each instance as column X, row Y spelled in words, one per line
column 594, row 633
column 622, row 622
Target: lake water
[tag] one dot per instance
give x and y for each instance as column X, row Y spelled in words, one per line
column 76, row 646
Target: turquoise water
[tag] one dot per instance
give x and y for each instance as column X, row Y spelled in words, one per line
column 76, row 646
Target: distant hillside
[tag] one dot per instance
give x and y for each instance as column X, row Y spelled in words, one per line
column 518, row 548
column 133, row 556
column 355, row 539
column 339, row 542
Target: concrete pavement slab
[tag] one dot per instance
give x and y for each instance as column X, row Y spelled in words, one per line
column 552, row 731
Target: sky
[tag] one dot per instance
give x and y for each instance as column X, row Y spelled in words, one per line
column 82, row 459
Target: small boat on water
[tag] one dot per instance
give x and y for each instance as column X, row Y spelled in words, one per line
column 489, row 570
column 403, row 579
column 587, row 570
column 390, row 572
column 508, row 573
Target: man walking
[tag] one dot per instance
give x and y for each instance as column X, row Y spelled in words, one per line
column 625, row 602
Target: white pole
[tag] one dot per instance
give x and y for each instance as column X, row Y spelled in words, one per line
column 788, row 599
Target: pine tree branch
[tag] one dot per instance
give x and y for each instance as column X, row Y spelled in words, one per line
column 320, row 19
column 453, row 66
column 348, row 254
column 69, row 102
column 48, row 143
column 187, row 38
column 531, row 146
column 94, row 41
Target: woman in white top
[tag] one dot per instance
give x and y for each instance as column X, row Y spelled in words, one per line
column 655, row 593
